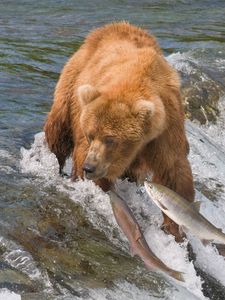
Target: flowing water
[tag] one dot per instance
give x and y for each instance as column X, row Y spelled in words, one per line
column 58, row 239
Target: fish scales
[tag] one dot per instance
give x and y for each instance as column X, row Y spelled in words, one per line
column 139, row 246
column 183, row 213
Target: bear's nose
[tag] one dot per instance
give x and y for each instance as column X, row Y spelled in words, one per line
column 88, row 168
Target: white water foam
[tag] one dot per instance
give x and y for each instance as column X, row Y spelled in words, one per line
column 124, row 290
column 21, row 260
column 217, row 131
column 183, row 62
column 7, row 295
column 207, row 156
column 97, row 206
column 5, row 154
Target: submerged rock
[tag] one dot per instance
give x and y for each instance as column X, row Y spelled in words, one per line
column 75, row 256
column 201, row 86
column 201, row 97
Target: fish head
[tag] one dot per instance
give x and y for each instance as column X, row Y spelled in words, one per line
column 152, row 189
column 155, row 193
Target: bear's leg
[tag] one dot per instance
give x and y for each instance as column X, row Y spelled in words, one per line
column 177, row 177
column 58, row 129
column 58, row 132
column 79, row 155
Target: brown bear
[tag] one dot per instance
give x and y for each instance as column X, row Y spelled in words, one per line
column 117, row 108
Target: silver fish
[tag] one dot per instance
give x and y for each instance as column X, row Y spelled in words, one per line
column 139, row 246
column 184, row 213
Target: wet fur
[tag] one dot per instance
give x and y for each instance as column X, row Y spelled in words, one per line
column 165, row 150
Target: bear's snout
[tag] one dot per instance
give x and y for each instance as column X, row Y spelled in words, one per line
column 94, row 169
column 95, row 165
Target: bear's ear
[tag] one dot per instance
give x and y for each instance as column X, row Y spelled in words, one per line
column 87, row 93
column 144, row 109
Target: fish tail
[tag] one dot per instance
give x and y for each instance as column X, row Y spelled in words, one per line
column 177, row 275
column 220, row 248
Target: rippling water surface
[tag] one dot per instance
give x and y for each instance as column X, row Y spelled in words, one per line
column 59, row 240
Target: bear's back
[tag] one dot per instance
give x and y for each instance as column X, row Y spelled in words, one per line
column 123, row 58
column 122, row 31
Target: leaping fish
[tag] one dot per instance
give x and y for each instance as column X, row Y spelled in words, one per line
column 138, row 244
column 184, row 213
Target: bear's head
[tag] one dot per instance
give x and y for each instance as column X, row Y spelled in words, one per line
column 116, row 130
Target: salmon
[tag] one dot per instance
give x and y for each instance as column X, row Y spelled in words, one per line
column 138, row 244
column 184, row 213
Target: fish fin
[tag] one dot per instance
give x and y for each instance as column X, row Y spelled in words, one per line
column 161, row 205
column 178, row 275
column 182, row 229
column 137, row 233
column 206, row 242
column 197, row 205
column 220, row 248
column 132, row 251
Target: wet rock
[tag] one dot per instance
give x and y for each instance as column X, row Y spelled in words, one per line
column 15, row 281
column 211, row 194
column 201, row 95
column 73, row 253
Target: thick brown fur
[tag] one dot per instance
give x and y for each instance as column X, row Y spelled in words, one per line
column 117, row 108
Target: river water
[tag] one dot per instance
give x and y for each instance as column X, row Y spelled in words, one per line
column 58, row 239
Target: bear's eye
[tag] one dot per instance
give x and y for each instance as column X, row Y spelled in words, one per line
column 109, row 140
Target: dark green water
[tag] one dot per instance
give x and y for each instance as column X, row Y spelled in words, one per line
column 67, row 257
